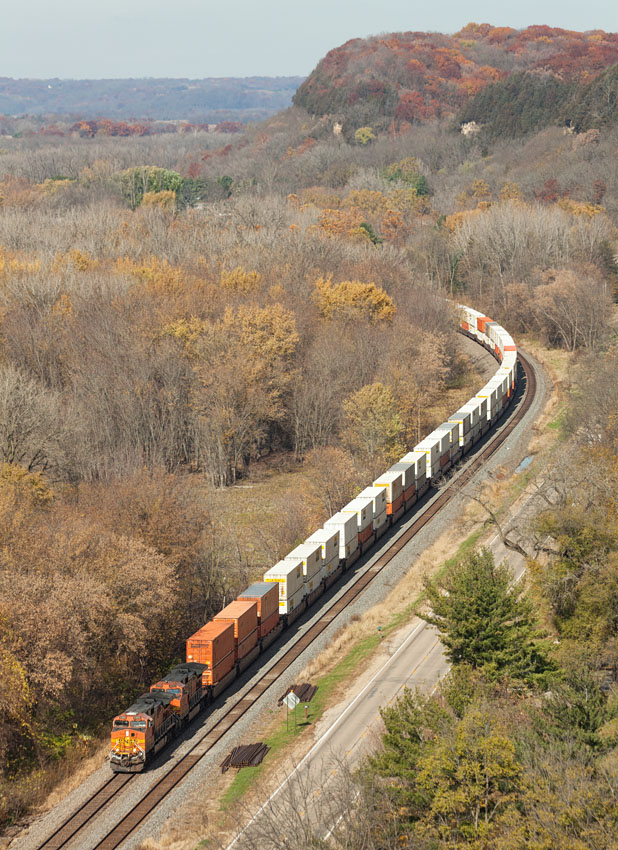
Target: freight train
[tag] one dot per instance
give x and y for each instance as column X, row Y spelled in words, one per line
column 223, row 648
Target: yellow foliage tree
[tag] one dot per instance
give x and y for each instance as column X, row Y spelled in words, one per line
column 344, row 223
column 353, row 299
column 241, row 281
column 373, row 430
column 166, row 199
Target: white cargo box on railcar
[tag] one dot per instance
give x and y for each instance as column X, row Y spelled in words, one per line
column 392, row 479
column 289, row 575
column 418, row 459
column 377, row 495
column 462, row 418
column 311, row 556
column 328, row 539
column 347, row 526
column 363, row 509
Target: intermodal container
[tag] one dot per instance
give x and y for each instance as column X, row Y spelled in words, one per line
column 266, row 595
column 329, row 543
column 378, row 496
column 286, row 606
column 433, row 446
column 243, row 616
column 213, row 645
column 311, row 556
column 347, row 527
column 419, row 460
column 266, row 626
column 408, row 478
column 289, row 576
column 452, row 429
column 392, row 479
column 363, row 510
column 461, row 418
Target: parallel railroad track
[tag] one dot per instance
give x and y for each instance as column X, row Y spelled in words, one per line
column 132, row 819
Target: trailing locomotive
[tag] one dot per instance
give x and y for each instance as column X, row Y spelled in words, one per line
column 218, row 652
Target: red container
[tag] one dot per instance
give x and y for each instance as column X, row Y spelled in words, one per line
column 266, row 595
column 213, row 645
column 480, row 323
column 243, row 617
column 409, row 493
column 366, row 533
column 266, row 626
column 393, row 507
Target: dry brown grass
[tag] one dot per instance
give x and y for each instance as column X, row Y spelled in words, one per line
column 76, row 774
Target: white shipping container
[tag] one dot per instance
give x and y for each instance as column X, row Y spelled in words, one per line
column 311, row 556
column 379, row 520
column 378, row 497
column 462, row 419
column 289, row 575
column 407, row 472
column 489, row 394
column 473, row 407
column 452, row 429
column 363, row 509
column 286, row 606
column 490, row 331
column 347, row 526
column 393, row 481
column 329, row 543
column 419, row 460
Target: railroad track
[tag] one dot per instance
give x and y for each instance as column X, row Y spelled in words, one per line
column 141, row 810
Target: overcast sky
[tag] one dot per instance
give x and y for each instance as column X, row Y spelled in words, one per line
column 217, row 38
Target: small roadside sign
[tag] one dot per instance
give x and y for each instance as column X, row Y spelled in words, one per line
column 291, row 700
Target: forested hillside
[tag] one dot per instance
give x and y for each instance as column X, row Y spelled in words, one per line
column 402, row 78
column 212, row 99
column 184, row 313
column 525, row 102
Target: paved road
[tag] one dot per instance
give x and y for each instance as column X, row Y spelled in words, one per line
column 416, row 661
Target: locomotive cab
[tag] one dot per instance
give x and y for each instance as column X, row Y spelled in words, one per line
column 141, row 731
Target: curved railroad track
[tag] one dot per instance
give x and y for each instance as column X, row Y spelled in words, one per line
column 67, row 831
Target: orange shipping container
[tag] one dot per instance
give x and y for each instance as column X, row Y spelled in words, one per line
column 266, row 595
column 243, row 617
column 213, row 645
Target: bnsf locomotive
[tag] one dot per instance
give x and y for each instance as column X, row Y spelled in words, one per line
column 227, row 645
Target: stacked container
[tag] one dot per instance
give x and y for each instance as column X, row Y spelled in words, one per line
column 244, row 618
column 437, row 448
column 392, row 480
column 266, row 596
column 288, row 574
column 489, row 394
column 462, row 419
column 408, row 480
column 311, row 556
column 418, row 459
column 454, row 453
column 481, row 321
column 363, row 510
column 213, row 645
column 378, row 497
column 347, row 527
column 328, row 540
